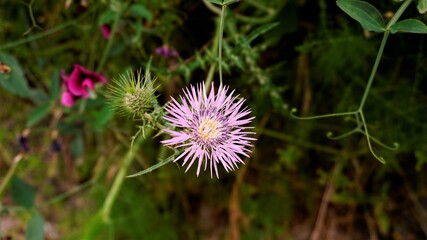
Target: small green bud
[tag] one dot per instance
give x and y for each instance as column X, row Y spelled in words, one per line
column 132, row 95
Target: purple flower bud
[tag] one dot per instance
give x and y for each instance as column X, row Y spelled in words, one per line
column 23, row 141
column 165, row 51
column 55, row 146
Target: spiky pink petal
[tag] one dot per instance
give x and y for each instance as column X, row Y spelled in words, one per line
column 210, row 128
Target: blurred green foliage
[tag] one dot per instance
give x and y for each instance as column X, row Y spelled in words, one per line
column 277, row 54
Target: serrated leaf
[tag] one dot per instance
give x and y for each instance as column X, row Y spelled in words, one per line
column 139, row 10
column 422, row 6
column 409, row 26
column 22, row 193
column 38, row 114
column 260, row 30
column 157, row 165
column 200, row 60
column 363, row 12
column 35, row 227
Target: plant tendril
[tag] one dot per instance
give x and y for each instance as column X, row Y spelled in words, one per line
column 360, row 118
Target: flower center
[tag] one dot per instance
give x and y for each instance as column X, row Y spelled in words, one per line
column 209, row 129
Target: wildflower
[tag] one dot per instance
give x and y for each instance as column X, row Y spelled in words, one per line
column 105, row 30
column 67, row 99
column 133, row 95
column 78, row 84
column 210, row 128
column 166, row 51
column 23, row 141
column 55, row 146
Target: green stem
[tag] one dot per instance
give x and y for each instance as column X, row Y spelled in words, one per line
column 331, row 136
column 392, row 21
column 368, row 139
column 34, row 37
column 398, row 14
column 271, row 12
column 374, row 70
column 209, row 78
column 221, row 36
column 110, row 41
column 391, row 148
column 294, row 110
column 118, row 181
column 70, row 193
column 155, row 166
column 10, row 173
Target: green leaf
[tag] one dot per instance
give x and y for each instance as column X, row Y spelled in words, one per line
column 106, row 17
column 55, row 85
column 223, row 2
column 103, row 116
column 228, row 2
column 365, row 13
column 15, row 81
column 77, row 145
column 409, row 26
column 38, row 114
column 260, row 30
column 422, row 6
column 35, row 227
column 155, row 166
column 219, row 2
column 22, row 193
column 96, row 228
column 139, row 10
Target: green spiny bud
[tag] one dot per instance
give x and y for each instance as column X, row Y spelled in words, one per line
column 132, row 95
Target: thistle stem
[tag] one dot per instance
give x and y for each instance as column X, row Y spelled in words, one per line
column 221, row 36
column 118, row 181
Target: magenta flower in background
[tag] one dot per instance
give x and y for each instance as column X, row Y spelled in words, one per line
column 209, row 128
column 78, row 84
column 67, row 99
column 105, row 31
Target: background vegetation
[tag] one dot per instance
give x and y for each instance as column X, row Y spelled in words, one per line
column 278, row 54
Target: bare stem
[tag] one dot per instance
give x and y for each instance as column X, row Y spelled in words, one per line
column 10, row 173
column 221, row 36
column 118, row 181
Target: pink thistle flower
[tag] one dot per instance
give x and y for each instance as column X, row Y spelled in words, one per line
column 209, row 128
column 78, row 84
